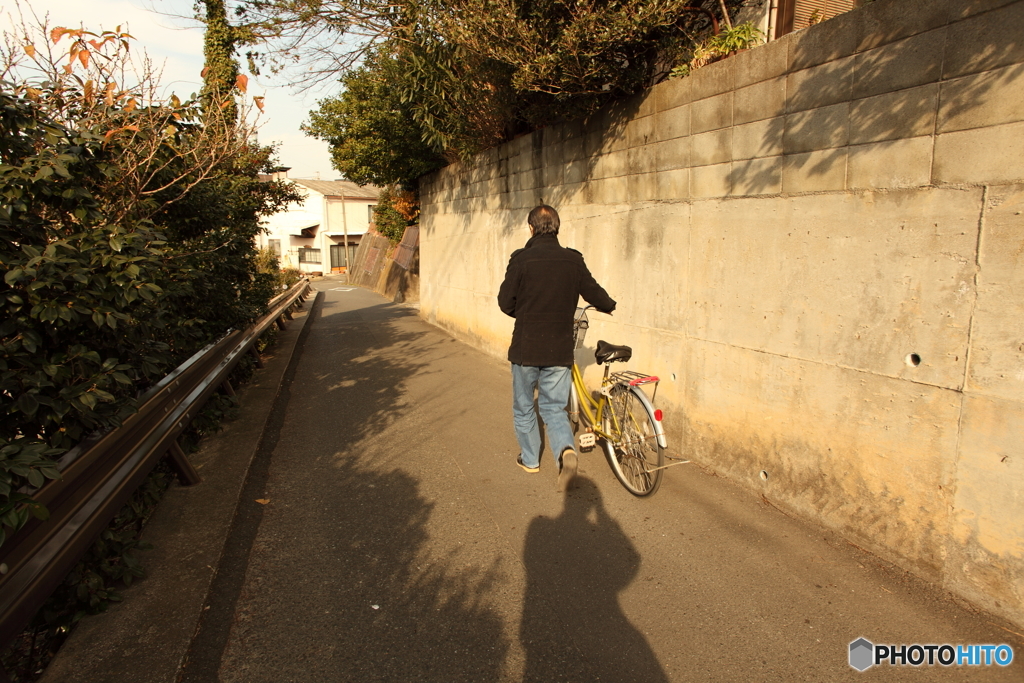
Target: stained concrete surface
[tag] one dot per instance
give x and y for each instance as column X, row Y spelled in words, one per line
column 400, row 542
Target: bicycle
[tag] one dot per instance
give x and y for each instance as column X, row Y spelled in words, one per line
column 620, row 413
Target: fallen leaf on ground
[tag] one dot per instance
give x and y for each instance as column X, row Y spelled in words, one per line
column 262, row 501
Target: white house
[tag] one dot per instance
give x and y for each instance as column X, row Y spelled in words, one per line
column 311, row 235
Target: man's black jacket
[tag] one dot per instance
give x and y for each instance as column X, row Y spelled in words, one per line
column 542, row 287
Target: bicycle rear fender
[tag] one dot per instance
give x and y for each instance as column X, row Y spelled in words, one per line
column 659, row 430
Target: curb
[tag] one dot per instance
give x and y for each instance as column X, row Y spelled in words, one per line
column 147, row 637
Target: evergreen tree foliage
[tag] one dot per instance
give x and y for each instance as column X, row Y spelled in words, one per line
column 221, row 76
column 127, row 227
column 373, row 136
column 220, row 68
column 473, row 73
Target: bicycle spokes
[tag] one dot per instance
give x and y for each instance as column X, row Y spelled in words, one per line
column 635, row 453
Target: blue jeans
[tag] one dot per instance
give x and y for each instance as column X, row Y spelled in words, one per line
column 553, row 394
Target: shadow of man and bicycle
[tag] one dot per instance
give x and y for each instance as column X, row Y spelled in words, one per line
column 577, row 564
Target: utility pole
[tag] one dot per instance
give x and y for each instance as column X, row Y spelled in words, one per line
column 344, row 227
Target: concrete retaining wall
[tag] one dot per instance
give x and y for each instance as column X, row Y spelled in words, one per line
column 374, row 268
column 819, row 245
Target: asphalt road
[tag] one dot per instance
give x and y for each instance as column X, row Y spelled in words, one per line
column 397, row 540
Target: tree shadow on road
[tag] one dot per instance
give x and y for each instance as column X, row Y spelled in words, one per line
column 576, row 566
column 343, row 586
column 362, row 361
column 343, row 581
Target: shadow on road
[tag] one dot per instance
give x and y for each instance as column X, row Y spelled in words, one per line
column 576, row 566
column 395, row 612
column 344, row 588
column 342, row 581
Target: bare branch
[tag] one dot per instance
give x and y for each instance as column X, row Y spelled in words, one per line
column 96, row 87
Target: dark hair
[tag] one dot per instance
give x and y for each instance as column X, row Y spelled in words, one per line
column 544, row 220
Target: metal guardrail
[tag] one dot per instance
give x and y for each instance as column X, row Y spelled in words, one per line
column 100, row 474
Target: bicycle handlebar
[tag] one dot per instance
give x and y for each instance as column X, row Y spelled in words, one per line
column 580, row 310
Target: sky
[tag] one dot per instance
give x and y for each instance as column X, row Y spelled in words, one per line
column 176, row 45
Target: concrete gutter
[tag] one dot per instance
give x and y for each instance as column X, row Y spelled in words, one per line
column 147, row 638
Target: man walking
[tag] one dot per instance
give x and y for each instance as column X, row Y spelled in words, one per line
column 542, row 287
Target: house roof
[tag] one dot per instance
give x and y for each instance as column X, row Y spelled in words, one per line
column 338, row 188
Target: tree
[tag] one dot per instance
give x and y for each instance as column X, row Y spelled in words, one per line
column 220, row 73
column 126, row 242
column 319, row 40
column 373, row 135
column 80, row 329
column 214, row 224
column 396, row 210
column 471, row 73
column 463, row 102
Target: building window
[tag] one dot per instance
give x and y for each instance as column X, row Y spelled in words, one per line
column 799, row 14
column 275, row 246
column 307, row 255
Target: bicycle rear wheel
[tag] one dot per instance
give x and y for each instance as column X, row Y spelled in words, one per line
column 634, row 454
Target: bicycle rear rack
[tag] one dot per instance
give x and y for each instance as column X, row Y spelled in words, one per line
column 633, row 378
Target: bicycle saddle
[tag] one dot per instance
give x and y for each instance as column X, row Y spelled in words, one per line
column 609, row 353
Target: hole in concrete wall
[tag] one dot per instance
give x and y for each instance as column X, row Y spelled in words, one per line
column 673, row 377
column 912, row 359
column 764, row 475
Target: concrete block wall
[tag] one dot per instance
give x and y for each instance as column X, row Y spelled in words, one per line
column 818, row 244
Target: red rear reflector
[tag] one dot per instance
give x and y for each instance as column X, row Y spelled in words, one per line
column 657, row 415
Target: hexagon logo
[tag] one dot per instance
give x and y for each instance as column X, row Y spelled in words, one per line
column 862, row 654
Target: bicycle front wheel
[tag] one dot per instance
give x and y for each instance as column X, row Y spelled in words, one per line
column 633, row 452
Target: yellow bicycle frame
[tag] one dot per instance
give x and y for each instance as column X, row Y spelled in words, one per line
column 593, row 409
